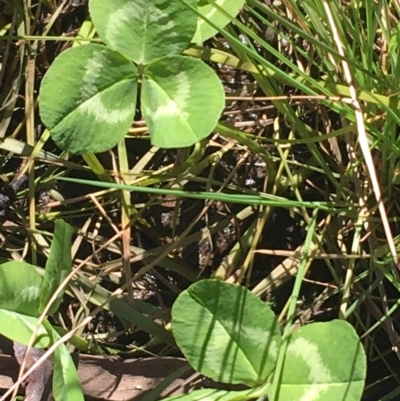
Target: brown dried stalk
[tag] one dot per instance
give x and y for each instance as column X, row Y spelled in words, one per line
column 36, row 388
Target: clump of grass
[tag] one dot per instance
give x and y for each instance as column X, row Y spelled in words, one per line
column 311, row 123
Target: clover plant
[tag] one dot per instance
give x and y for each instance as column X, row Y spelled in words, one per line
column 89, row 95
column 228, row 334
column 24, row 295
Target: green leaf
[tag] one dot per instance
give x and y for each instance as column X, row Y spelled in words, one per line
column 144, row 30
column 324, row 361
column 226, row 332
column 20, row 288
column 182, row 99
column 88, row 98
column 58, row 265
column 206, row 31
column 217, row 395
column 66, row 384
column 19, row 327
